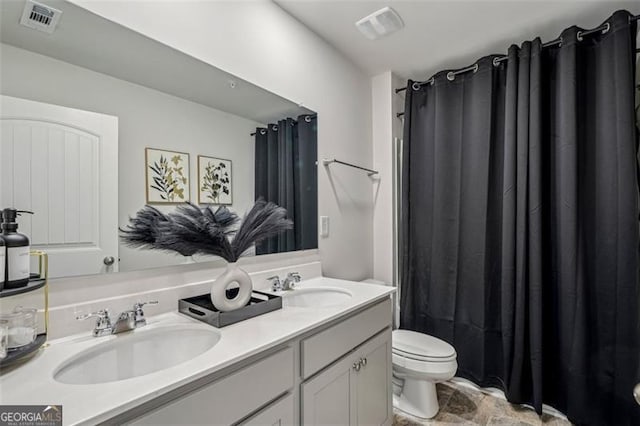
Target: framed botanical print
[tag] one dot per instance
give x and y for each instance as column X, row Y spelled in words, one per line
column 167, row 176
column 214, row 181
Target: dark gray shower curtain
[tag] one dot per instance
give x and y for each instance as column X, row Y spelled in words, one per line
column 305, row 180
column 520, row 223
column 285, row 173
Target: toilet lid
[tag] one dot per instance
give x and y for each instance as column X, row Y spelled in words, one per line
column 423, row 345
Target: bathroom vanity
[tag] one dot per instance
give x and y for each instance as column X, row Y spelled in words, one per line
column 324, row 363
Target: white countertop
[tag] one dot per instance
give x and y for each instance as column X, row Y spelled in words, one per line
column 33, row 382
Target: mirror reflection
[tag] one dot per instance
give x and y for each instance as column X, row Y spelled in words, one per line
column 91, row 132
column 284, row 174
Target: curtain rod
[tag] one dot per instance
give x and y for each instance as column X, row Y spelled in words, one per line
column 307, row 119
column 370, row 172
column 451, row 74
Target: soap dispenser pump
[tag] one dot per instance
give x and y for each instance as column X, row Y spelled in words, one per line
column 17, row 250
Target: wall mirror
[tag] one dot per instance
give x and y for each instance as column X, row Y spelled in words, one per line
column 98, row 120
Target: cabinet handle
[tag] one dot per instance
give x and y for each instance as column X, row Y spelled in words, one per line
column 356, row 366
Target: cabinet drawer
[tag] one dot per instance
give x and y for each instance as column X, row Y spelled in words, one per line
column 231, row 398
column 278, row 413
column 328, row 345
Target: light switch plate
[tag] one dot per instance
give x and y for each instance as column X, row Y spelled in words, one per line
column 324, row 226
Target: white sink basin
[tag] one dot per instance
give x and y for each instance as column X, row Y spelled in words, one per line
column 136, row 354
column 315, row 297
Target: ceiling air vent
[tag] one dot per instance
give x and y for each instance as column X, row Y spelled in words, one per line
column 380, row 23
column 40, row 17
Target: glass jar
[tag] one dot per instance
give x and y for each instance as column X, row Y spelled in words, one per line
column 22, row 326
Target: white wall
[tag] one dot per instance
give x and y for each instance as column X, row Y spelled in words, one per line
column 386, row 126
column 397, row 127
column 381, row 99
column 259, row 42
column 147, row 118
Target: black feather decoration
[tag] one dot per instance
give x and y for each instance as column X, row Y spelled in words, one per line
column 264, row 220
column 146, row 230
column 191, row 229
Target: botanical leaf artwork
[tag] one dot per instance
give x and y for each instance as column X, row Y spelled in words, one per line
column 167, row 177
column 214, row 180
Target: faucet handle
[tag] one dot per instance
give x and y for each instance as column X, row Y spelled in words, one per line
column 276, row 285
column 102, row 315
column 294, row 276
column 139, row 305
column 103, row 323
column 140, row 320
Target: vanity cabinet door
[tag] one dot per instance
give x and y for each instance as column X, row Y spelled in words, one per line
column 327, row 399
column 356, row 390
column 373, row 382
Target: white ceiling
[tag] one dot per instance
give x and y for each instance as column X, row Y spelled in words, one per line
column 445, row 34
column 92, row 42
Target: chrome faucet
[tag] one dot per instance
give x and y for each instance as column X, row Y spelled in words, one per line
column 127, row 320
column 291, row 280
column 286, row 285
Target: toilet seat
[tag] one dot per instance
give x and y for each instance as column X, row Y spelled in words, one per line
column 421, row 347
column 422, row 358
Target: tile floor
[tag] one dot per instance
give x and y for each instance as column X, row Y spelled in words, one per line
column 461, row 405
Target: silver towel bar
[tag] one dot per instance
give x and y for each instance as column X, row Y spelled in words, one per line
column 370, row 172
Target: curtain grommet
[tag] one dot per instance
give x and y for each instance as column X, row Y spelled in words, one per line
column 274, row 127
column 496, row 61
column 415, row 86
column 476, row 68
column 451, row 76
column 307, row 118
column 263, row 131
column 603, row 31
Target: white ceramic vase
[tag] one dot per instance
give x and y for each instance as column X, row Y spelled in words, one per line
column 233, row 274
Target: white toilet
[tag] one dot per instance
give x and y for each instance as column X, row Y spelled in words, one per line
column 419, row 362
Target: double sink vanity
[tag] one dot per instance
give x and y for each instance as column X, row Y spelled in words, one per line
column 324, row 358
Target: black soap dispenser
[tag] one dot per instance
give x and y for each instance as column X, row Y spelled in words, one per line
column 17, row 250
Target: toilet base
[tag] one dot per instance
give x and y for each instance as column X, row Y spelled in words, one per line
column 418, row 399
